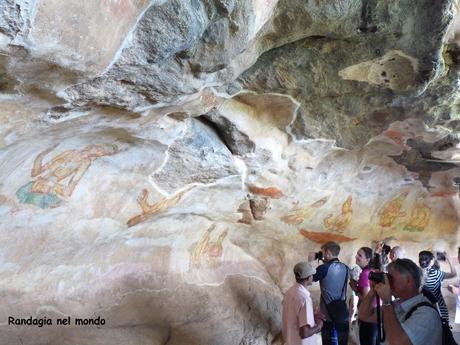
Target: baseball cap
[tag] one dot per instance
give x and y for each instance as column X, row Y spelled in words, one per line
column 303, row 270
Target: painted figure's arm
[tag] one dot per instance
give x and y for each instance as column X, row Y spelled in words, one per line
column 67, row 191
column 38, row 168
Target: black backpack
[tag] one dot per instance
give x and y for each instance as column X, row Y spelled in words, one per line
column 447, row 336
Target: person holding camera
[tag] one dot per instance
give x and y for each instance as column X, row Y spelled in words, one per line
column 367, row 330
column 333, row 278
column 299, row 323
column 434, row 277
column 409, row 320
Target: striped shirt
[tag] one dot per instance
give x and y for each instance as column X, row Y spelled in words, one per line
column 434, row 278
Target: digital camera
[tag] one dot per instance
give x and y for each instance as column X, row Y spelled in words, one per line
column 319, row 256
column 440, row 256
column 377, row 277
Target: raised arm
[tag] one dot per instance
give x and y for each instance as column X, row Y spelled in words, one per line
column 38, row 168
column 395, row 334
column 67, row 190
column 453, row 271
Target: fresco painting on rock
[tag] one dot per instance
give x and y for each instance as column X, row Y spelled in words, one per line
column 391, row 211
column 294, row 123
column 206, row 252
column 297, row 215
column 56, row 180
column 340, row 222
column 150, row 210
column 419, row 217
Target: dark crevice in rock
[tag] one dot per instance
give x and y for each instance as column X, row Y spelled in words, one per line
column 419, row 157
column 367, row 20
column 236, row 141
column 425, row 148
column 317, row 37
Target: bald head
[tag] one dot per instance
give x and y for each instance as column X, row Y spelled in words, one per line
column 397, row 253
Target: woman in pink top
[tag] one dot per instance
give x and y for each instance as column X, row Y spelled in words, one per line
column 367, row 330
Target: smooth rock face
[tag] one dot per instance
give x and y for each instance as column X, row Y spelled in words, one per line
column 164, row 164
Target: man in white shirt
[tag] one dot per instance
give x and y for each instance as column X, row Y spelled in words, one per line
column 300, row 325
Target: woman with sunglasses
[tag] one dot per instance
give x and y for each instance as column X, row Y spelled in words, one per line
column 434, row 277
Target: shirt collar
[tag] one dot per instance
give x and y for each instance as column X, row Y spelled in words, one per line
column 303, row 288
column 408, row 304
column 333, row 260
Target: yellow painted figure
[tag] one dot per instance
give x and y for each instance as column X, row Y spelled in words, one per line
column 299, row 214
column 340, row 222
column 419, row 217
column 57, row 179
column 392, row 210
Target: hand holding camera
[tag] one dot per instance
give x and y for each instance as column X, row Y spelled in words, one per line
column 377, row 277
column 382, row 288
column 315, row 256
column 441, row 256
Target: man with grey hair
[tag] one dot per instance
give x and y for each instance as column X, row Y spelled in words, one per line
column 300, row 325
column 409, row 320
column 397, row 252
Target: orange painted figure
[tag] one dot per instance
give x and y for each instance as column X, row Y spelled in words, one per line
column 299, row 214
column 206, row 251
column 340, row 222
column 392, row 210
column 149, row 210
column 57, row 179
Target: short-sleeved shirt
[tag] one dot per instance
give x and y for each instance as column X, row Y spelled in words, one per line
column 363, row 281
column 433, row 282
column 423, row 326
column 297, row 312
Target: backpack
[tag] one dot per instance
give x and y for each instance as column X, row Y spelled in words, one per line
column 447, row 336
column 338, row 309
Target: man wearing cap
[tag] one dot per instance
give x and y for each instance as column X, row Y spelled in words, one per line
column 300, row 325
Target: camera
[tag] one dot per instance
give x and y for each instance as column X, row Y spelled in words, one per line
column 377, row 277
column 319, row 256
column 440, row 256
column 386, row 249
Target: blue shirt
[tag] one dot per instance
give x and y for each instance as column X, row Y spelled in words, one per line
column 332, row 277
column 424, row 325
